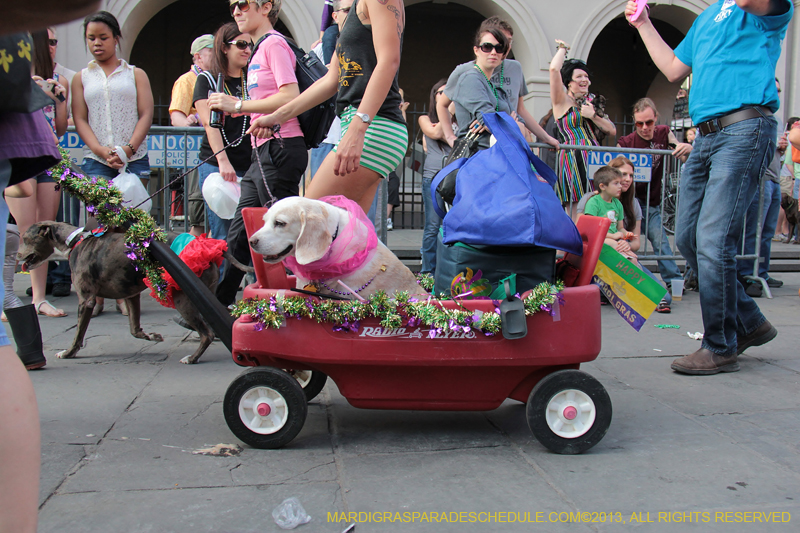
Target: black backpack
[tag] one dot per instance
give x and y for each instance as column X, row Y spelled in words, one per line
column 315, row 122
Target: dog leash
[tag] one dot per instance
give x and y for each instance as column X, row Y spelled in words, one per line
column 276, row 130
column 203, row 162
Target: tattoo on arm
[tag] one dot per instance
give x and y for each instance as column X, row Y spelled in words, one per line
column 398, row 16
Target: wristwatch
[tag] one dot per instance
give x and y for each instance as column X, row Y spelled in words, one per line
column 364, row 117
column 238, row 106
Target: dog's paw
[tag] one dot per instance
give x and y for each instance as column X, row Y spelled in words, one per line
column 65, row 354
column 188, row 360
column 155, row 337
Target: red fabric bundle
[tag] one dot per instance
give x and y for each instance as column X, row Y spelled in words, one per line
column 198, row 256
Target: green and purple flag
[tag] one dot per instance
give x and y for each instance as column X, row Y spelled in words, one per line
column 633, row 293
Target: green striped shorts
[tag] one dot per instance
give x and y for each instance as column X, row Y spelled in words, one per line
column 385, row 143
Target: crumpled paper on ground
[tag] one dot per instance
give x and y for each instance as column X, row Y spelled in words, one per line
column 696, row 336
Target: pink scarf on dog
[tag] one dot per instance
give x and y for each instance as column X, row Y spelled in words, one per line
column 335, row 263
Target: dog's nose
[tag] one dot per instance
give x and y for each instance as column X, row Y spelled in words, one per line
column 253, row 241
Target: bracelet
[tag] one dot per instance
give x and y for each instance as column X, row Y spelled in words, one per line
column 133, row 150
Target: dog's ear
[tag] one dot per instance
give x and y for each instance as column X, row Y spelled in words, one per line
column 46, row 231
column 314, row 239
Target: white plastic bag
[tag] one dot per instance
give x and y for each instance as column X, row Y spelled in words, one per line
column 221, row 196
column 133, row 192
column 290, row 514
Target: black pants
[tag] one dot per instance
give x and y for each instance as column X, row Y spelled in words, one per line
column 283, row 169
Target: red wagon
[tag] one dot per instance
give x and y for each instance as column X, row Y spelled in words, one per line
column 568, row 410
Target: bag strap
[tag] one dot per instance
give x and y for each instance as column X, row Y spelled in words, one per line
column 507, row 129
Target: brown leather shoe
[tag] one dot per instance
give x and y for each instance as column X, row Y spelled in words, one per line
column 762, row 335
column 705, row 363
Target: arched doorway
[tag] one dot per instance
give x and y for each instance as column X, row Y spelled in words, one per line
column 432, row 49
column 624, row 72
column 161, row 47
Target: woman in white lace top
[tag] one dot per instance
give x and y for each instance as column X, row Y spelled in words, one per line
column 112, row 106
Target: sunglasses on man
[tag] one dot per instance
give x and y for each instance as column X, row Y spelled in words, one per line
column 241, row 44
column 487, row 48
column 648, row 123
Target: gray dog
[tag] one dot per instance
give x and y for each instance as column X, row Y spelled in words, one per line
column 100, row 268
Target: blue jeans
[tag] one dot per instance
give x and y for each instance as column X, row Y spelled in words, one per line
column 318, row 155
column 657, row 236
column 772, row 208
column 718, row 184
column 432, row 224
column 217, row 227
column 92, row 167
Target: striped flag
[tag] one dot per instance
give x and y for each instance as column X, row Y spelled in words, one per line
column 633, row 293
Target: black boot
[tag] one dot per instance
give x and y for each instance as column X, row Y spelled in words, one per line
column 25, row 328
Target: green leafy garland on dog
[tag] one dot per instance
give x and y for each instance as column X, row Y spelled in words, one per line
column 104, row 201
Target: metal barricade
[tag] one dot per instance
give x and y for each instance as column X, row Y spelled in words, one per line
column 668, row 209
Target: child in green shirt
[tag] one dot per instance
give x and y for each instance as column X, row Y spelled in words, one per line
column 608, row 181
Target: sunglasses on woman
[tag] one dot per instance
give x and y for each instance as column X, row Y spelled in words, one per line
column 487, row 48
column 54, row 42
column 241, row 44
column 243, row 5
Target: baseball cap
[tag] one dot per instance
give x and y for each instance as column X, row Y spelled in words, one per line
column 204, row 41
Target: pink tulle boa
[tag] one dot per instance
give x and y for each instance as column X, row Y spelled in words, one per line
column 357, row 236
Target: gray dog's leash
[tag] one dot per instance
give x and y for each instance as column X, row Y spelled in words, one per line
column 204, row 161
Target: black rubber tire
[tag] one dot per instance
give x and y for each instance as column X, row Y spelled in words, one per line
column 314, row 385
column 282, row 383
column 543, row 393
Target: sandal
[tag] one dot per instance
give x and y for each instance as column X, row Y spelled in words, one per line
column 57, row 313
column 97, row 309
column 122, row 308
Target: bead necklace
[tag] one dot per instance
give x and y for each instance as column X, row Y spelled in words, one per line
column 246, row 117
column 341, row 293
column 494, row 89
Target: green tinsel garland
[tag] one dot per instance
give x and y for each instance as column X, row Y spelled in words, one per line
column 392, row 312
column 104, row 201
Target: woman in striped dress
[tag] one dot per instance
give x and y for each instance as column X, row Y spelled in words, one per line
column 577, row 119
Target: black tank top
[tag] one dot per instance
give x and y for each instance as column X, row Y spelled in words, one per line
column 357, row 62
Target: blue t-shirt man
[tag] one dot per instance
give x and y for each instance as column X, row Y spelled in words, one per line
column 733, row 55
column 731, row 51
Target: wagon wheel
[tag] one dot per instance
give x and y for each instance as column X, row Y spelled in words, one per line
column 568, row 411
column 265, row 407
column 311, row 381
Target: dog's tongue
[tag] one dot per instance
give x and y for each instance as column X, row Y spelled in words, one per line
column 25, row 267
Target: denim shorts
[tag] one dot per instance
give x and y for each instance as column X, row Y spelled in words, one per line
column 93, row 167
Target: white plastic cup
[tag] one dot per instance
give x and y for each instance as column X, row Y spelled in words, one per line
column 677, row 289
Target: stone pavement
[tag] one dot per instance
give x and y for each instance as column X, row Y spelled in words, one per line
column 119, row 424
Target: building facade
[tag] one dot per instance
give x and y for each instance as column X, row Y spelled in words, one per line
column 157, row 35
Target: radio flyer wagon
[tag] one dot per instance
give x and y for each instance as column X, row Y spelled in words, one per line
column 567, row 410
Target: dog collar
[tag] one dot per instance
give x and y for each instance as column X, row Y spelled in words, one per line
column 72, row 236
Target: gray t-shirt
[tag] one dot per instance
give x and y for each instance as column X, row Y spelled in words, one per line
column 637, row 209
column 434, row 160
column 473, row 97
column 513, row 79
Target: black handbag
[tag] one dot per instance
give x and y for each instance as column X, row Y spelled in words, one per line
column 464, row 147
column 18, row 92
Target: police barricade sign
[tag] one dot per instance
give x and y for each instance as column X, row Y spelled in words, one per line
column 177, row 145
column 643, row 163
column 633, row 293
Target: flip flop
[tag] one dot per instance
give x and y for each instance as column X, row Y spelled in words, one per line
column 97, row 309
column 640, row 5
column 56, row 314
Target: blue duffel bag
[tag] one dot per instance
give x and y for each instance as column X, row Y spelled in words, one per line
column 505, row 197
